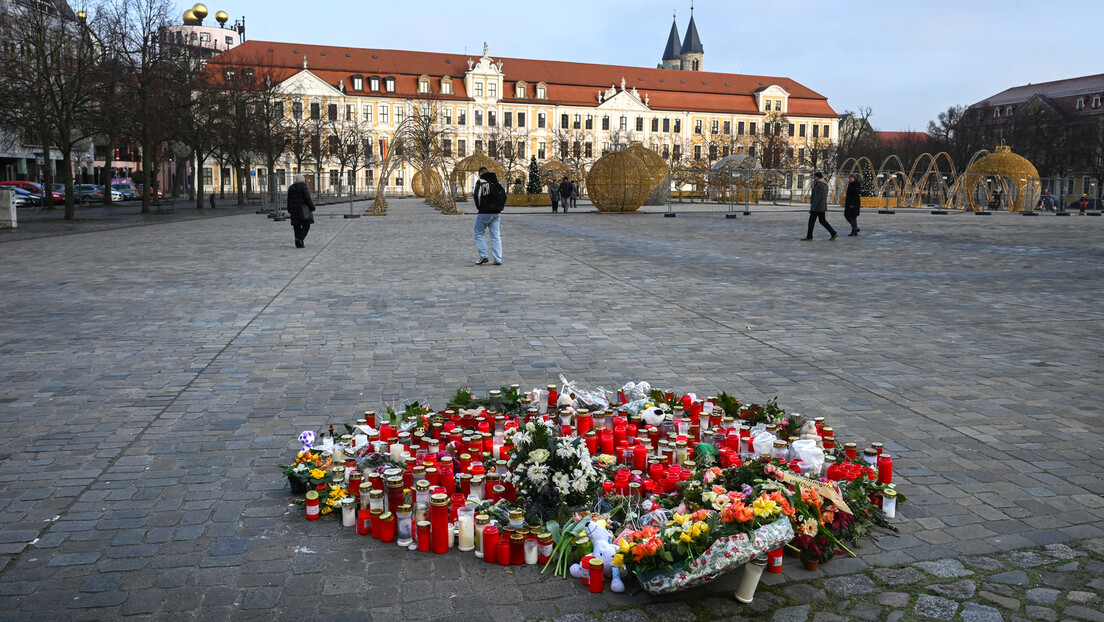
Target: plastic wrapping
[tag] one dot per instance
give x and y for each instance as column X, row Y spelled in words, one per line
column 807, row 451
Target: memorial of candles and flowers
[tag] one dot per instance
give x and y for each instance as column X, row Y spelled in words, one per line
column 669, row 488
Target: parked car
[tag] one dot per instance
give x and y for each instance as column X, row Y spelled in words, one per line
column 88, row 193
column 22, row 198
column 154, row 193
column 129, row 192
column 35, row 188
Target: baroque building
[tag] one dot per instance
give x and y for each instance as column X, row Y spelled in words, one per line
column 512, row 108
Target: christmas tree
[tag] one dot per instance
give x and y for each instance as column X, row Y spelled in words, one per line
column 534, row 186
column 866, row 186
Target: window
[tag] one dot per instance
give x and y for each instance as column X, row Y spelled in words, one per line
column 666, row 151
column 542, row 120
column 751, row 128
column 697, row 126
column 448, row 116
column 778, row 105
column 350, row 112
column 640, row 124
column 369, row 175
column 801, row 130
column 521, row 148
column 713, row 151
column 519, row 91
column 816, row 131
column 1096, row 101
column 564, row 122
column 790, row 130
column 541, row 150
column 373, row 84
column 577, row 122
column 461, row 117
column 997, row 112
column 208, row 176
column 725, row 151
column 315, row 111
column 478, row 145
column 678, row 126
column 492, row 118
column 478, row 86
column 492, row 148
column 400, row 113
column 576, row 149
column 521, row 119
column 479, row 118
column 204, row 36
column 358, row 83
column 492, row 88
column 446, row 85
column 423, row 85
column 229, row 41
column 801, row 154
column 740, row 128
column 281, row 177
column 563, row 150
column 1080, row 103
column 655, row 124
column 461, row 148
column 590, row 122
column 1008, row 111
column 623, row 123
column 331, row 112
column 389, row 84
column 666, row 125
column 446, row 147
column 777, row 129
column 297, row 110
column 697, row 152
column 542, row 93
column 384, row 109
column 767, row 105
column 714, row 127
column 278, row 109
column 507, row 119
column 605, row 122
column 676, row 152
column 588, row 150
column 727, row 128
column 827, row 130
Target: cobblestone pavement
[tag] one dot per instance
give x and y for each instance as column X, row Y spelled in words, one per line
column 152, row 377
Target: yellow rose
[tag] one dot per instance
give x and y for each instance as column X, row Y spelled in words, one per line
column 619, row 560
column 317, row 473
column 685, row 537
column 624, row 546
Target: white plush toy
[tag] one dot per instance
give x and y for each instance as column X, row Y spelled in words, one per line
column 605, row 549
column 809, row 432
column 653, row 416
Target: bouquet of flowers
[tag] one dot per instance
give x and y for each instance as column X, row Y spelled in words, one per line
column 308, row 470
column 553, row 475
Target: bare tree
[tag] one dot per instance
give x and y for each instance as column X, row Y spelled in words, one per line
column 51, row 84
column 425, row 140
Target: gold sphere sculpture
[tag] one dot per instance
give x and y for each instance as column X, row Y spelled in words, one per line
column 619, row 182
column 222, row 17
column 1017, row 175
column 199, row 10
column 190, row 18
column 425, row 183
column 657, row 168
column 471, row 165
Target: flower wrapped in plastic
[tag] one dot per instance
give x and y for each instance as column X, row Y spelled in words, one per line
column 553, row 475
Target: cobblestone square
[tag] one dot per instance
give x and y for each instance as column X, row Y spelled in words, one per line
column 151, row 378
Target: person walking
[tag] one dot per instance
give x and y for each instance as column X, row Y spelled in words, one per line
column 212, row 197
column 489, row 197
column 301, row 209
column 818, row 207
column 574, row 193
column 554, row 193
column 851, row 204
column 565, row 192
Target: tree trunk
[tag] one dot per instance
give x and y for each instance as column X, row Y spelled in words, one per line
column 147, row 174
column 199, row 183
column 67, row 175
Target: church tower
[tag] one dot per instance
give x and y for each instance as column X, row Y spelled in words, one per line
column 672, row 54
column 692, row 55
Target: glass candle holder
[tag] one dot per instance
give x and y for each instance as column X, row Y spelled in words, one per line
column 377, row 524
column 439, row 525
column 517, row 519
column 348, row 512
column 481, row 523
column 387, row 527
column 405, row 527
column 465, row 518
column 423, row 536
column 517, row 549
column 531, row 549
column 889, row 503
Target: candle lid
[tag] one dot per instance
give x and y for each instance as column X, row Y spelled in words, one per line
column 404, row 508
column 889, row 492
column 439, row 499
column 312, row 495
column 423, row 524
column 395, row 482
column 482, row 519
column 421, row 485
column 517, row 536
column 375, row 494
column 516, row 514
column 596, row 562
column 386, row 516
column 347, row 502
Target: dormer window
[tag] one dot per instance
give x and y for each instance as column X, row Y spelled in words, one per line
column 519, row 90
column 423, row 84
column 1008, row 111
column 446, row 85
column 778, row 105
column 1080, row 103
column 1096, row 101
column 996, row 113
column 389, row 84
column 358, row 83
column 767, row 105
column 374, row 84
column 231, row 74
column 542, row 90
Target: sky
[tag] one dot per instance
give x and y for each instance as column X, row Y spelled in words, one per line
column 908, row 60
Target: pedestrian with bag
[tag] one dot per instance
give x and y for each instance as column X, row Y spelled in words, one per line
column 565, row 192
column 300, row 208
column 490, row 198
column 554, row 194
column 818, row 207
column 574, row 193
column 852, row 203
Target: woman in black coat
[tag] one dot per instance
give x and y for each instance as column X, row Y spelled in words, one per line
column 851, row 204
column 300, row 208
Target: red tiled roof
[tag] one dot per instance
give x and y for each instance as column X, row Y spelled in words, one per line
column 575, row 84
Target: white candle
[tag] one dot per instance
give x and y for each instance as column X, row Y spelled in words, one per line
column 396, row 452
column 348, row 512
column 466, row 517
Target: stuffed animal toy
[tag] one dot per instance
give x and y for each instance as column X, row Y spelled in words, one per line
column 653, row 415
column 809, row 432
column 604, row 548
column 306, row 439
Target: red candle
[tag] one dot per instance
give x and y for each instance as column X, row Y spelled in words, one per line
column 597, row 575
column 607, row 487
column 423, row 535
column 502, row 552
column 607, row 441
column 851, row 450
column 517, row 550
column 640, row 457
column 584, row 423
column 774, row 560
column 585, row 564
column 438, row 519
column 619, row 434
column 591, row 440
column 653, row 435
column 377, row 525
column 885, row 469
column 447, row 480
column 375, row 480
column 490, row 543
column 312, row 505
column 364, row 522
column 552, row 396
column 385, row 432
column 387, row 528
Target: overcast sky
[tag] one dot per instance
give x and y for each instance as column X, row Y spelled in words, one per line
column 907, row 59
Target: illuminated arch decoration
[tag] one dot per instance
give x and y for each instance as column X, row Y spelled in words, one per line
column 470, row 166
column 1012, row 175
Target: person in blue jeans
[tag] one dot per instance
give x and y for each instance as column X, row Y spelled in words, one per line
column 486, row 219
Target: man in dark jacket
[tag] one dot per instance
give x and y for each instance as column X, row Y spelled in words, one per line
column 565, row 192
column 300, row 208
column 487, row 219
column 852, row 204
column 818, row 206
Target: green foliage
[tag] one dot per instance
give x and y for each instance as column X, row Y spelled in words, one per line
column 462, row 399
column 534, row 186
column 730, row 405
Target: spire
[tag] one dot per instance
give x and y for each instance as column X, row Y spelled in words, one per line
column 672, row 51
column 692, row 44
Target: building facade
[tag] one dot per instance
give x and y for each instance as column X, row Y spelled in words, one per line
column 513, row 109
